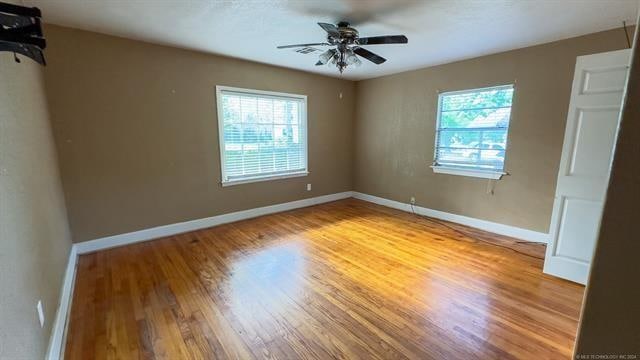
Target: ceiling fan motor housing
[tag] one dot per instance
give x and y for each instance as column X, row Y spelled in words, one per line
column 347, row 35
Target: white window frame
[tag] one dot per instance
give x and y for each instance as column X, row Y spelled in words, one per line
column 303, row 135
column 470, row 172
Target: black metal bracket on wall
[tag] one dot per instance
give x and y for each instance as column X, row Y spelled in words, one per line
column 21, row 31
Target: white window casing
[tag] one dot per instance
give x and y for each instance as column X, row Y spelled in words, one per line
column 262, row 134
column 471, row 131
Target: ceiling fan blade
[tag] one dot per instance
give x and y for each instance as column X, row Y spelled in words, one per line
column 301, row 45
column 330, row 28
column 376, row 59
column 388, row 39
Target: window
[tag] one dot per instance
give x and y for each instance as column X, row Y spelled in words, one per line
column 471, row 134
column 263, row 135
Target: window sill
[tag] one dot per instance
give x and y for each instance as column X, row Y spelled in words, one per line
column 484, row 174
column 264, row 178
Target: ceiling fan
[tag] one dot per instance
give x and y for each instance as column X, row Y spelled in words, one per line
column 347, row 44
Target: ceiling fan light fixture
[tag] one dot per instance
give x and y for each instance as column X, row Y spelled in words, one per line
column 326, row 56
column 350, row 58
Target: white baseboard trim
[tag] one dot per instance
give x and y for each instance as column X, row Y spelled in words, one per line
column 60, row 322
column 496, row 228
column 178, row 228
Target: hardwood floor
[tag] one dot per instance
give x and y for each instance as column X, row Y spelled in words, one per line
column 346, row 279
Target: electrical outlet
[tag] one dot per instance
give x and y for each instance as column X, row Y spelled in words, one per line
column 308, row 187
column 40, row 313
column 413, row 200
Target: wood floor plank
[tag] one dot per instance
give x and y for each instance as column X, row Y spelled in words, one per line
column 344, row 280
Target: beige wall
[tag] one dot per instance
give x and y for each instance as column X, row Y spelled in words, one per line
column 136, row 129
column 610, row 322
column 395, row 126
column 34, row 236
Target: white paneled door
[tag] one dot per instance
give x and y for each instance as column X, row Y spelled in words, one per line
column 592, row 124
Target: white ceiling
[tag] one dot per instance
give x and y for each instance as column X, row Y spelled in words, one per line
column 439, row 31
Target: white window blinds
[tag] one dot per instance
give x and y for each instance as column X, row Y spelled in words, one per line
column 472, row 128
column 262, row 134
